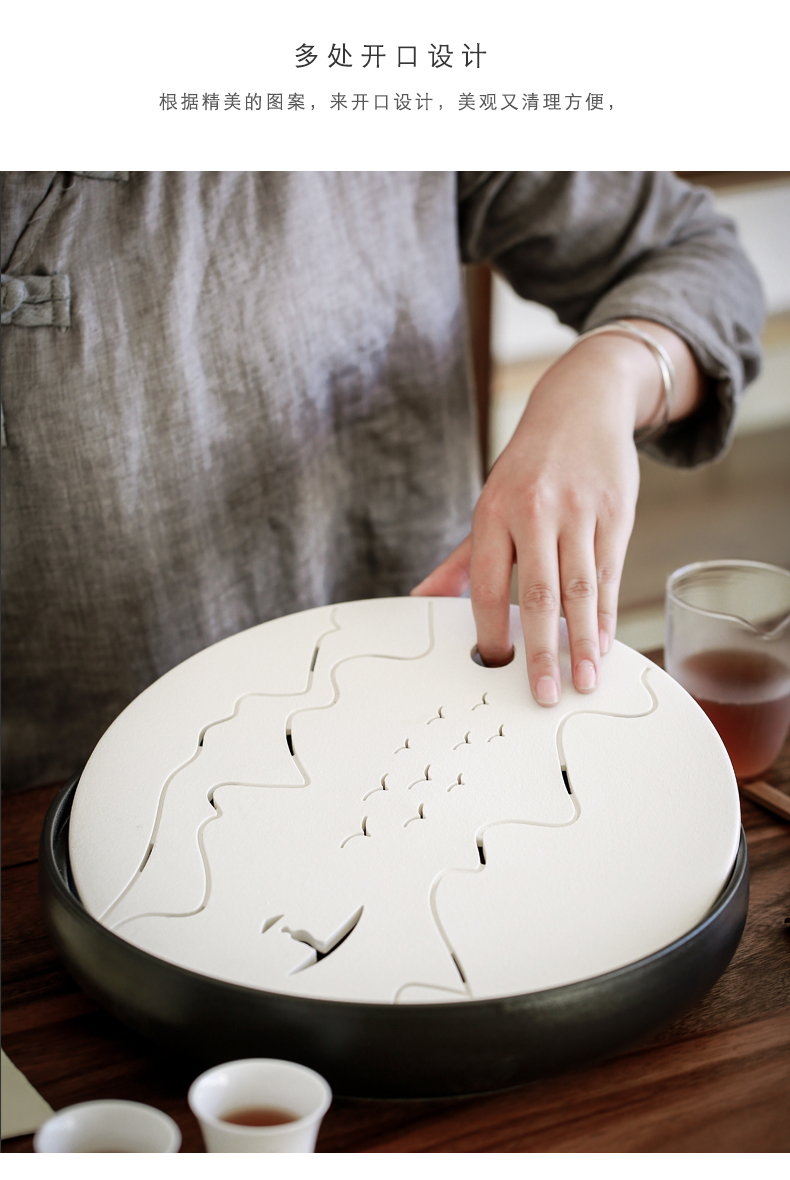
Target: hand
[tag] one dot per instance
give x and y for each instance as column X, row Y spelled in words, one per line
column 560, row 503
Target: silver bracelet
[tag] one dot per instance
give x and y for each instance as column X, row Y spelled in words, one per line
column 645, row 433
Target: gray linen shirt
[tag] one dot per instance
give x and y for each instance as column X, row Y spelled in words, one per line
column 232, row 396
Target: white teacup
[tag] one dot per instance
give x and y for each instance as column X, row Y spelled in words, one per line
column 108, row 1126
column 256, row 1090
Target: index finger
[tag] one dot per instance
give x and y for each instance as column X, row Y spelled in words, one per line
column 489, row 580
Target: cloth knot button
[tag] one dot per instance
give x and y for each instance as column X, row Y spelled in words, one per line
column 37, row 301
column 14, row 294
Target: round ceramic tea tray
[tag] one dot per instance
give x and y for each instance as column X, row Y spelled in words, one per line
column 337, row 838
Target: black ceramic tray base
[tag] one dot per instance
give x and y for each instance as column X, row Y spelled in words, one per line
column 386, row 1050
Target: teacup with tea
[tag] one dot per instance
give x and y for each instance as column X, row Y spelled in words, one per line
column 260, row 1104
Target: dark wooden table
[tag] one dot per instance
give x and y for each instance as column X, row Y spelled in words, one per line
column 717, row 1080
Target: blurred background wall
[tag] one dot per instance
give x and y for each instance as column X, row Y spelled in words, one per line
column 736, row 507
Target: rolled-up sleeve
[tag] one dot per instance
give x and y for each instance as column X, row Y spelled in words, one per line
column 599, row 246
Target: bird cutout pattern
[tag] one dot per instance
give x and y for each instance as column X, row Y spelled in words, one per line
column 412, row 828
column 253, row 745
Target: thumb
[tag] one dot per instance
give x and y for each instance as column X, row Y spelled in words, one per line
column 451, row 578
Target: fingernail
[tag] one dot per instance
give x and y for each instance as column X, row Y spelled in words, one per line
column 546, row 690
column 603, row 641
column 585, row 676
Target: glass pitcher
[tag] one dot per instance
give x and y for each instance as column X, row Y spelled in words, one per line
column 728, row 644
